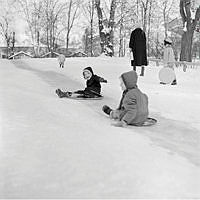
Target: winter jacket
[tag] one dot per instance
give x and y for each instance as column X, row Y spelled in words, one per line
column 133, row 108
column 168, row 57
column 94, row 85
column 137, row 44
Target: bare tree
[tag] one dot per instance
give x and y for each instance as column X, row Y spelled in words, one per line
column 32, row 12
column 53, row 11
column 42, row 17
column 149, row 26
column 6, row 26
column 6, row 32
column 106, row 28
column 71, row 15
column 190, row 25
column 166, row 8
column 144, row 10
column 125, row 16
column 89, row 9
column 121, row 28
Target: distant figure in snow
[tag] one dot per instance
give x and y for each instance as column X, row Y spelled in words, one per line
column 93, row 86
column 133, row 107
column 168, row 56
column 137, row 45
column 61, row 60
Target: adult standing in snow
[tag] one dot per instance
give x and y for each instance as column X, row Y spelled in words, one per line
column 168, row 56
column 137, row 45
column 61, row 60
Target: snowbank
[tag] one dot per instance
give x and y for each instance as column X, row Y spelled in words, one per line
column 61, row 148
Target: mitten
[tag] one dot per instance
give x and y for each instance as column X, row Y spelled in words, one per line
column 120, row 124
column 107, row 109
column 103, row 80
column 114, row 114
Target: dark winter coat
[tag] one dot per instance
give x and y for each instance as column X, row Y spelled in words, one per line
column 138, row 45
column 133, row 106
column 93, row 84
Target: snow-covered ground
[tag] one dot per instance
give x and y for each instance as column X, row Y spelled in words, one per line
column 62, row 148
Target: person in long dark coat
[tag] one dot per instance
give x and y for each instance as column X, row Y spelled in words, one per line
column 137, row 45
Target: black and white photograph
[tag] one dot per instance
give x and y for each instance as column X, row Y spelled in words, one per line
column 99, row 99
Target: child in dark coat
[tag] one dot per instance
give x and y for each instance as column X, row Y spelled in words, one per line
column 133, row 107
column 93, row 86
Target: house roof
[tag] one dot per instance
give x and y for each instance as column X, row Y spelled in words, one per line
column 78, row 53
column 20, row 52
column 46, row 54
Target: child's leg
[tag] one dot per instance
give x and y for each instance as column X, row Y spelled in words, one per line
column 62, row 94
column 79, row 92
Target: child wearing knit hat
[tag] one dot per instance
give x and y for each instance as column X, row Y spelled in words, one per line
column 93, row 86
column 133, row 107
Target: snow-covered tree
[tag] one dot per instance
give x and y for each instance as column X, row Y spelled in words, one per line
column 106, row 27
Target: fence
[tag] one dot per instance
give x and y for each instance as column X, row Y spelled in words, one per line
column 183, row 64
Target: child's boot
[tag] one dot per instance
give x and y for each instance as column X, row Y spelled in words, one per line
column 67, row 94
column 58, row 92
column 174, row 82
column 106, row 109
column 63, row 94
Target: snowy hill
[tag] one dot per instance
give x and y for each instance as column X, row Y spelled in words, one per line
column 62, row 148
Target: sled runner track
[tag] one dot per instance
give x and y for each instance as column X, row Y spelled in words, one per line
column 167, row 133
column 85, row 99
column 52, row 78
column 171, row 135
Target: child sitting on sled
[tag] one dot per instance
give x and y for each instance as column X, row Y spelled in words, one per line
column 93, row 86
column 133, row 107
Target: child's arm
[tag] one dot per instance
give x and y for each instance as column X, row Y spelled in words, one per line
column 120, row 124
column 100, row 79
column 131, row 108
column 130, row 111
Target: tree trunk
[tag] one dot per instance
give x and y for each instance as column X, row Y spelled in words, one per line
column 67, row 41
column 149, row 28
column 100, row 19
column 187, row 37
column 121, row 30
column 111, row 26
column 120, row 40
column 91, row 27
column 68, row 25
column 107, row 38
column 186, row 45
column 91, row 37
